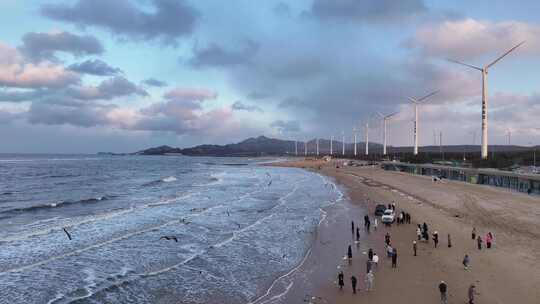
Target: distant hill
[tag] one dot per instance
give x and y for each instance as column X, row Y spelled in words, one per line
column 258, row 146
column 265, row 146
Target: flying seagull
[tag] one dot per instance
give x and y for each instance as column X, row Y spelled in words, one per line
column 67, row 233
column 169, row 237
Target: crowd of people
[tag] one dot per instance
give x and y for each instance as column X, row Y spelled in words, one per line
column 422, row 233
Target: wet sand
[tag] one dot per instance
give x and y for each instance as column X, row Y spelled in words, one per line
column 507, row 273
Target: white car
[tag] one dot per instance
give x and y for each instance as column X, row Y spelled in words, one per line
column 388, row 216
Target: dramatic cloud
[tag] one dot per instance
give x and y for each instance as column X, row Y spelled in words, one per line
column 43, row 46
column 68, row 111
column 15, row 71
column 167, row 21
column 190, row 94
column 154, row 82
column 240, row 106
column 108, row 89
column 288, row 126
column 469, row 38
column 215, row 55
column 366, row 10
column 95, row 67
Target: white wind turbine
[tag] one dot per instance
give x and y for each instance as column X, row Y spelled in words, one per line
column 354, row 135
column 416, row 102
column 343, row 142
column 317, row 146
column 331, row 147
column 385, row 119
column 305, row 147
column 367, row 138
column 484, row 71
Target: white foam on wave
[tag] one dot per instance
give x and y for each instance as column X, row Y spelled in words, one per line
column 169, row 179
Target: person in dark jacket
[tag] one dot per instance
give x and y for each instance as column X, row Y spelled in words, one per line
column 352, row 226
column 394, row 258
column 370, row 254
column 340, row 278
column 387, row 238
column 357, row 234
column 414, row 247
column 353, row 283
column 442, row 289
column 479, row 241
column 349, row 252
column 436, row 238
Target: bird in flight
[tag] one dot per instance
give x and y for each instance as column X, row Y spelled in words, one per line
column 169, row 238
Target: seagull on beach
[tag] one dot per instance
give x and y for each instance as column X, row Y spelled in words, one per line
column 169, row 238
column 67, row 233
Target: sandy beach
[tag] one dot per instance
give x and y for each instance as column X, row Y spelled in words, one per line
column 506, row 273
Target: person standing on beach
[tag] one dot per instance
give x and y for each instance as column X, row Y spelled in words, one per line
column 489, row 239
column 473, row 233
column 479, row 241
column 375, row 224
column 471, row 293
column 414, row 247
column 387, row 238
column 370, row 254
column 353, row 283
column 394, row 258
column 349, row 253
column 419, row 232
column 442, row 289
column 466, row 261
column 366, row 219
column 436, row 238
column 370, row 277
column 352, row 226
column 357, row 234
column 340, row 278
column 376, row 261
column 449, row 241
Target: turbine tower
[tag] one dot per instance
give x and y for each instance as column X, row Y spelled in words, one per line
column 331, row 148
column 367, row 138
column 416, row 102
column 296, row 147
column 354, row 135
column 343, row 143
column 385, row 119
column 317, row 146
column 305, row 147
column 484, row 71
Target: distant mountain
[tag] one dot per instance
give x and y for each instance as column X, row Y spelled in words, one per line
column 258, row 146
column 265, row 146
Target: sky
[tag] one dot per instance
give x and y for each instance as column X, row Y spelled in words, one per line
column 83, row 76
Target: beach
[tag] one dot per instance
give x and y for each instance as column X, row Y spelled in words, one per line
column 506, row 273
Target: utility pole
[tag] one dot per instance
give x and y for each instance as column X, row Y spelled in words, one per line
column 354, row 134
column 305, row 147
column 367, row 138
column 440, row 145
column 296, row 147
column 343, row 143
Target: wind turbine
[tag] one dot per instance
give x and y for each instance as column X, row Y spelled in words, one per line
column 296, row 147
column 317, row 146
column 509, row 134
column 416, row 102
column 367, row 137
column 305, row 147
column 354, row 135
column 385, row 118
column 331, row 148
column 484, row 71
column 343, row 142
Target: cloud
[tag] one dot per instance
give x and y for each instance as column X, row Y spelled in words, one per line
column 366, row 10
column 470, row 38
column 190, row 94
column 68, row 111
column 167, row 21
column 154, row 82
column 258, row 95
column 95, row 67
column 286, row 126
column 240, row 106
column 43, row 46
column 108, row 89
column 16, row 71
column 217, row 56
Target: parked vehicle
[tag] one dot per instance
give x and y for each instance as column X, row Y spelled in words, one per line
column 379, row 209
column 388, row 217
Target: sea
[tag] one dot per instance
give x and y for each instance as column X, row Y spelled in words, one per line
column 239, row 227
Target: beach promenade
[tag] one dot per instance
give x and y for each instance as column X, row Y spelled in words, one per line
column 506, row 273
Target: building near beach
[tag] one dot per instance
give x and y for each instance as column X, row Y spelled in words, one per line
column 528, row 183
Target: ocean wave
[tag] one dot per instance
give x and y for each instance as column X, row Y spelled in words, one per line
column 58, row 204
column 168, row 179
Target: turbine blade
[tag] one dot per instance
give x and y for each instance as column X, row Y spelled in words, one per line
column 503, row 55
column 428, row 95
column 412, row 99
column 390, row 115
column 379, row 113
column 465, row 64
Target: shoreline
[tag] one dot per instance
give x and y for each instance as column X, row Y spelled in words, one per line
column 506, row 273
